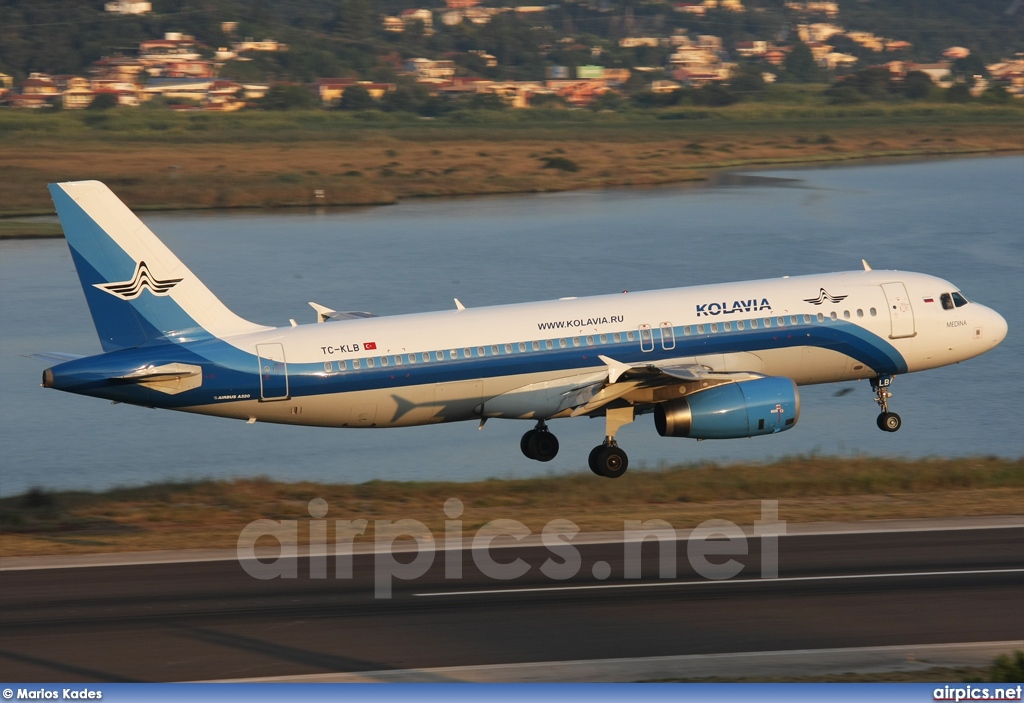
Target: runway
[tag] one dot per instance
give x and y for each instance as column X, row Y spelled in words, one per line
column 204, row 620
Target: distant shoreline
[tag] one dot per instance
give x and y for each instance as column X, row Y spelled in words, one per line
column 13, row 227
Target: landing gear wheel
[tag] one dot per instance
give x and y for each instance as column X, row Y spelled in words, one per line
column 543, row 446
column 524, row 443
column 890, row 422
column 608, row 461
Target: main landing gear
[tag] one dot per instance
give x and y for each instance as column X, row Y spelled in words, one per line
column 606, row 459
column 539, row 444
column 887, row 421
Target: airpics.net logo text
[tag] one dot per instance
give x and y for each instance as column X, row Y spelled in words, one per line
column 710, row 548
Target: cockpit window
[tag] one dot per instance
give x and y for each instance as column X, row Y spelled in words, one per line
column 959, row 300
column 947, row 301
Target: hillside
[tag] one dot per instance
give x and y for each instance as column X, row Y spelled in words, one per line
column 346, row 37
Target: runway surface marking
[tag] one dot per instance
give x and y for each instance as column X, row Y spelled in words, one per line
column 662, row 584
column 194, row 556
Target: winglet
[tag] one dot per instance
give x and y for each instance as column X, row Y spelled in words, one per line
column 615, row 368
column 323, row 313
column 867, row 266
column 458, row 304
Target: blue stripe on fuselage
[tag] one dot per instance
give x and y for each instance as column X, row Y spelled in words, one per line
column 229, row 371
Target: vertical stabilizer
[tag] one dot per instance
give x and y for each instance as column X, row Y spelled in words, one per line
column 137, row 290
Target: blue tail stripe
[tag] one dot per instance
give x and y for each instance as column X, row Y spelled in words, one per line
column 120, row 324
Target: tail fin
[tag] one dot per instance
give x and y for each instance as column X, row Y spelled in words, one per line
column 138, row 291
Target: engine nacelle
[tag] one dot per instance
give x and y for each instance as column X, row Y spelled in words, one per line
column 733, row 410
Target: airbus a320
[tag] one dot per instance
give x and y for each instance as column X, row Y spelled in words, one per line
column 708, row 362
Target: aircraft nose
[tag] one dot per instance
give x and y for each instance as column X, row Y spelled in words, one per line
column 998, row 328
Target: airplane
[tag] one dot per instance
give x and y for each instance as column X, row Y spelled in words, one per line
column 715, row 361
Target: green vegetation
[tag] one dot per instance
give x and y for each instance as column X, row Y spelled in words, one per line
column 781, row 105
column 346, row 37
column 157, row 159
column 13, row 229
column 1008, row 668
column 211, row 513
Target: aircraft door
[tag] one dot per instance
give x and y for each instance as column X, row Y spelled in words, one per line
column 900, row 312
column 273, row 372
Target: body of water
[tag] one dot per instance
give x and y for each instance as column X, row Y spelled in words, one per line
column 960, row 219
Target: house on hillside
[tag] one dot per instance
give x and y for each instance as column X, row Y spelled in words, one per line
column 174, row 46
column 430, row 70
column 330, row 90
column 749, row 49
column 128, row 7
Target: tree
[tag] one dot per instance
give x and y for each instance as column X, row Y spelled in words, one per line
column 876, row 83
column 996, row 93
column 608, row 101
column 103, row 101
column 288, row 97
column 407, row 97
column 356, row 97
column 841, row 94
column 958, row 93
column 714, row 95
column 747, row 79
column 355, row 19
column 917, row 85
column 800, row 65
column 968, row 67
column 486, row 101
column 547, row 100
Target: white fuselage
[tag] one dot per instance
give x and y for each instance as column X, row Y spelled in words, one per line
column 518, row 361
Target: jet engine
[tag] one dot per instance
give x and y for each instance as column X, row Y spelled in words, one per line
column 743, row 409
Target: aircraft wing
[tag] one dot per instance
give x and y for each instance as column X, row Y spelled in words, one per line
column 646, row 383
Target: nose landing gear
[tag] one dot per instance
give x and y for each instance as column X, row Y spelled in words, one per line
column 887, row 421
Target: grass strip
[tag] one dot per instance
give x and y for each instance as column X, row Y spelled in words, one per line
column 210, row 514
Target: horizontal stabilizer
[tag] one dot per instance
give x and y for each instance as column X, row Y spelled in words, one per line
column 167, row 378
column 49, row 357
